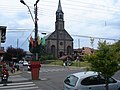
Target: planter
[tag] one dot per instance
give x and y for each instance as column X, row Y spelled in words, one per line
column 35, row 67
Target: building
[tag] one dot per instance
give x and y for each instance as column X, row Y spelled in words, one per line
column 59, row 42
column 2, row 40
column 80, row 52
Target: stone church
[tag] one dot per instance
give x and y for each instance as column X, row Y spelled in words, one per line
column 59, row 42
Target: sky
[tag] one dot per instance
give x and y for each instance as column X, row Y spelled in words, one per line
column 84, row 20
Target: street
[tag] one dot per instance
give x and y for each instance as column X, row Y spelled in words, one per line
column 51, row 78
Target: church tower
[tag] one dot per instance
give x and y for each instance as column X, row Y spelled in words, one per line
column 59, row 24
column 59, row 42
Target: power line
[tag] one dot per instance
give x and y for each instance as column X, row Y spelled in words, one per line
column 99, row 7
column 26, row 30
column 26, row 39
column 95, row 37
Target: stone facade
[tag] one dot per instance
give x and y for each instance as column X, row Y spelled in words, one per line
column 59, row 42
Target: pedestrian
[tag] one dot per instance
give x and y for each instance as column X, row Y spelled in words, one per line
column 64, row 64
column 5, row 75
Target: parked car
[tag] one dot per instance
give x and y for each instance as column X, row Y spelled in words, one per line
column 89, row 81
column 25, row 63
column 21, row 62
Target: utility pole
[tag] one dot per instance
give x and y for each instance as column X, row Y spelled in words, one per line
column 36, row 25
column 36, row 30
column 35, row 65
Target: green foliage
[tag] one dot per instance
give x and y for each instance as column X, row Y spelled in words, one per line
column 106, row 59
column 46, row 57
column 31, row 48
column 14, row 52
column 40, row 49
column 43, row 41
column 57, row 62
column 80, row 64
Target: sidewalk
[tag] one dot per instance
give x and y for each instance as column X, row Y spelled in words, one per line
column 16, row 77
column 15, row 73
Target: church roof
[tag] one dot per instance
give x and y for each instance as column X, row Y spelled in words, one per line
column 47, row 36
column 59, row 7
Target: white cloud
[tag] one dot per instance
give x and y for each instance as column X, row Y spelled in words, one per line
column 97, row 18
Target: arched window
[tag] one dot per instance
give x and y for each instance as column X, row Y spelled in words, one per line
column 53, row 50
column 69, row 50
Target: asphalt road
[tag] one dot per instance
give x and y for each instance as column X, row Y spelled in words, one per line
column 53, row 76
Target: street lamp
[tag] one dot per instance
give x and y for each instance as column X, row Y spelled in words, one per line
column 28, row 9
column 35, row 65
column 35, row 23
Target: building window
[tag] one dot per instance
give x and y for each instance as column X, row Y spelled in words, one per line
column 69, row 50
column 61, row 43
column 53, row 50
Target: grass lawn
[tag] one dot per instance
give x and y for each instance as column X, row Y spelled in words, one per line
column 74, row 63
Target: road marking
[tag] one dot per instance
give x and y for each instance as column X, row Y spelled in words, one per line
column 20, row 86
column 49, row 70
column 18, row 83
column 17, row 86
column 28, row 88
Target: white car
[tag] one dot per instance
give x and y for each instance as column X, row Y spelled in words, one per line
column 89, row 81
column 25, row 63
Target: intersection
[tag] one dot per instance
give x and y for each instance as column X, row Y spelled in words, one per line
column 51, row 78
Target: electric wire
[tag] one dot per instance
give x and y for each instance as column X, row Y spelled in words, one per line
column 26, row 39
column 101, row 7
column 74, row 35
column 70, row 8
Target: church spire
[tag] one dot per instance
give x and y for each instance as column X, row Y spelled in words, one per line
column 59, row 12
column 59, row 7
column 59, row 24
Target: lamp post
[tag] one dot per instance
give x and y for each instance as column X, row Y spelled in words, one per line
column 28, row 9
column 35, row 23
column 35, row 65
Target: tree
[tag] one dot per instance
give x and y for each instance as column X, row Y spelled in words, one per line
column 20, row 53
column 105, row 60
column 13, row 52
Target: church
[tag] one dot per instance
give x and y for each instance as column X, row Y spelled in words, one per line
column 59, row 42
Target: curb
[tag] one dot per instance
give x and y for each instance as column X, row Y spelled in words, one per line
column 16, row 73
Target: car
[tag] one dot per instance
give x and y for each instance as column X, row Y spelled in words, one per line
column 25, row 63
column 89, row 80
column 21, row 62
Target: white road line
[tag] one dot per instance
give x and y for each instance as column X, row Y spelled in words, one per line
column 49, row 70
column 17, row 86
column 18, row 83
column 28, row 88
column 16, row 76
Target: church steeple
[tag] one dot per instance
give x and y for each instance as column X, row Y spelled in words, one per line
column 59, row 7
column 59, row 24
column 59, row 12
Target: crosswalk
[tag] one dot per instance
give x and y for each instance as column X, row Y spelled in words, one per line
column 51, row 70
column 19, row 83
column 20, row 86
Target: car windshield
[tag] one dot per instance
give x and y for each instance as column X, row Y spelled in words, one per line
column 71, row 80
